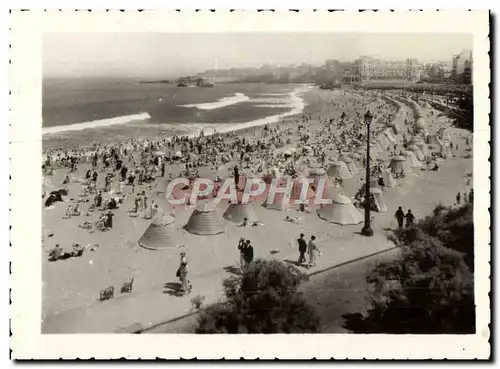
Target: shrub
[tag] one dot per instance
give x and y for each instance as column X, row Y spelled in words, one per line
column 453, row 227
column 265, row 299
column 429, row 288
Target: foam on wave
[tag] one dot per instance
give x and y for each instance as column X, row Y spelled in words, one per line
column 225, row 101
column 96, row 123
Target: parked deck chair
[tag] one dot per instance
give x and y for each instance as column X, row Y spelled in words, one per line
column 127, row 286
column 107, row 293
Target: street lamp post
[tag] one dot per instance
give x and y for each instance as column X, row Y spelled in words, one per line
column 367, row 229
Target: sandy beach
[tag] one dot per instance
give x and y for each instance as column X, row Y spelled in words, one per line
column 75, row 283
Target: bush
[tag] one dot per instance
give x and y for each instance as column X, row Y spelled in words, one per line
column 430, row 288
column 265, row 299
column 453, row 227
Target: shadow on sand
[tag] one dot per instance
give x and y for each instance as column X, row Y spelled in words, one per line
column 173, row 289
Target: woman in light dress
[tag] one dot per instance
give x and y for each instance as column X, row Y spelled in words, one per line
column 313, row 251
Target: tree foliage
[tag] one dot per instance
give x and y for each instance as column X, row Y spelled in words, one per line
column 265, row 299
column 429, row 289
column 465, row 106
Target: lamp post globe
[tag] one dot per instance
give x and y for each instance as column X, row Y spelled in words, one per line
column 367, row 229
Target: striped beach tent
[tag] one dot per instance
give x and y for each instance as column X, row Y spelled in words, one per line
column 161, row 234
column 204, row 220
column 238, row 212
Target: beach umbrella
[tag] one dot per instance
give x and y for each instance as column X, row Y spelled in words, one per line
column 158, row 153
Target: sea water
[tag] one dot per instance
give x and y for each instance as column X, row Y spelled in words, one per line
column 83, row 110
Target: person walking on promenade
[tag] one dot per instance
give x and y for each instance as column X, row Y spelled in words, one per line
column 458, row 198
column 302, row 249
column 400, row 216
column 182, row 274
column 248, row 253
column 241, row 247
column 410, row 219
column 313, row 250
column 163, row 169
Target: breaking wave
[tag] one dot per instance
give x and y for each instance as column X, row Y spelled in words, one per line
column 96, row 123
column 225, row 101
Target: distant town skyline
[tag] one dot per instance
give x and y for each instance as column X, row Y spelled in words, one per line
column 145, row 55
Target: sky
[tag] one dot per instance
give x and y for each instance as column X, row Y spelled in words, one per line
column 168, row 55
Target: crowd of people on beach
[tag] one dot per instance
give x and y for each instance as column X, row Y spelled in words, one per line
column 138, row 166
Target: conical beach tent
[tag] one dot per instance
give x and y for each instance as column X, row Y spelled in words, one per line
column 444, row 134
column 399, row 165
column 339, row 170
column 433, row 140
column 298, row 184
column 446, row 151
column 341, row 211
column 389, row 180
column 378, row 197
column 277, row 203
column 317, row 174
column 238, row 212
column 204, row 220
column 418, row 153
column 351, row 165
column 273, row 173
column 421, row 124
column 412, row 159
column 383, row 142
column 161, row 234
column 390, row 136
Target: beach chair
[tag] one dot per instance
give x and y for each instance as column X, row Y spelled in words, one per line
column 107, row 293
column 127, row 286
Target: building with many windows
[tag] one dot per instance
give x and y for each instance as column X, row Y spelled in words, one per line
column 461, row 70
column 370, row 69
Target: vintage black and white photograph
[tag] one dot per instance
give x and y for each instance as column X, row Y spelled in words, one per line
column 267, row 182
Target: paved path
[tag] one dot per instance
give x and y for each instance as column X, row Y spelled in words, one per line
column 333, row 293
column 131, row 313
